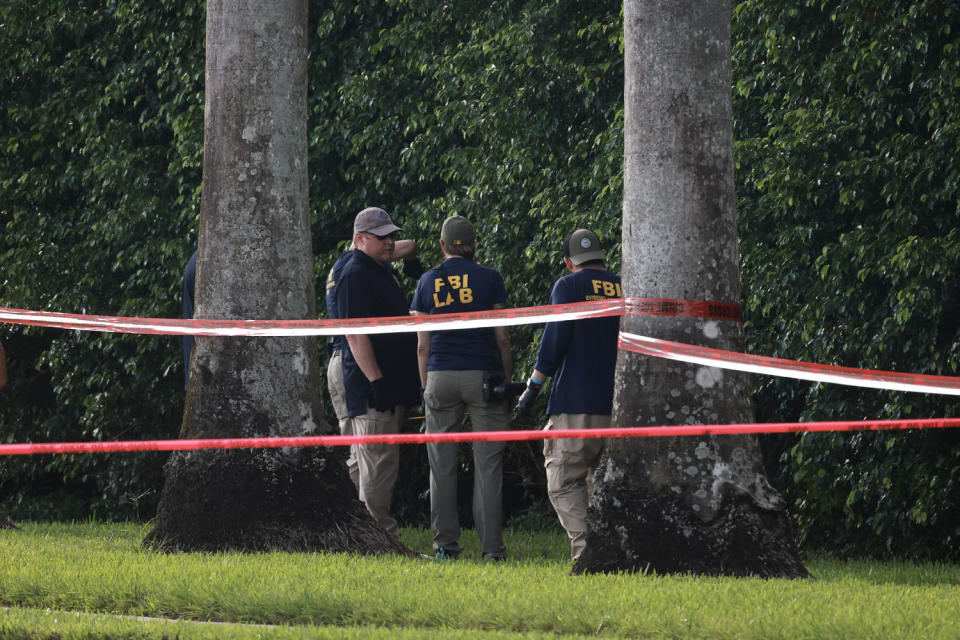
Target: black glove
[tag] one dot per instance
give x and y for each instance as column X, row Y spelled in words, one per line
column 512, row 390
column 527, row 398
column 413, row 268
column 382, row 397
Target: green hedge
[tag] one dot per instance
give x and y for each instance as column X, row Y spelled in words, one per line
column 509, row 113
column 845, row 120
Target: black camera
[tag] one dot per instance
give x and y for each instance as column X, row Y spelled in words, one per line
column 495, row 389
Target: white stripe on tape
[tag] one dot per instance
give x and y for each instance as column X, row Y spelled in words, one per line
column 888, row 380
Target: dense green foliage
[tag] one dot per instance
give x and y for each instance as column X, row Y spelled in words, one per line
column 101, row 568
column 848, row 206
column 100, row 147
column 509, row 112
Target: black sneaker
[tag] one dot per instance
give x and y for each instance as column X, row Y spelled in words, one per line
column 489, row 557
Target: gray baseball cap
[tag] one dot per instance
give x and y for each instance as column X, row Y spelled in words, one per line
column 374, row 220
column 583, row 245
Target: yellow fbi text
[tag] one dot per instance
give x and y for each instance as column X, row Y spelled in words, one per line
column 605, row 289
column 461, row 290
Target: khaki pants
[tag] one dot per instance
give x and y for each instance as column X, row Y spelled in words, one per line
column 449, row 394
column 338, row 398
column 378, row 464
column 569, row 464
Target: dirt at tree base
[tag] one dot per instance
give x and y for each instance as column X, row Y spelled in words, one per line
column 660, row 534
column 258, row 500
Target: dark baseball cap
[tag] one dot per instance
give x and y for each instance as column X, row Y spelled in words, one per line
column 582, row 246
column 457, row 230
column 374, row 220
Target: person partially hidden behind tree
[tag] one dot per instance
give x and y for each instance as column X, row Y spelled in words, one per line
column 3, row 367
column 581, row 355
column 379, row 370
column 453, row 365
column 189, row 287
column 5, row 523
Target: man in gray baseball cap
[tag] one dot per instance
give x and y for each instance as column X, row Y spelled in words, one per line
column 370, row 220
column 374, row 220
column 379, row 371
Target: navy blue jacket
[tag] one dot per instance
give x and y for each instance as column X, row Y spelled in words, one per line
column 581, row 355
column 336, row 342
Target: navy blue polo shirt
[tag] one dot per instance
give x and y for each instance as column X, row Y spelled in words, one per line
column 336, row 342
column 369, row 290
column 468, row 286
column 581, row 355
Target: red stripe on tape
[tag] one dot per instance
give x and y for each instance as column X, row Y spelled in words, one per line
column 889, row 380
column 688, row 308
column 473, row 436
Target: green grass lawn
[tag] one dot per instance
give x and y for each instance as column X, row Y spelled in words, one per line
column 93, row 581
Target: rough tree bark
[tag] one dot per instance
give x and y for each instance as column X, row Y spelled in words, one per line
column 256, row 261
column 695, row 504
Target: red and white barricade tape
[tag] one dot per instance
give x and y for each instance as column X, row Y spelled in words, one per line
column 396, row 324
column 472, row 436
column 889, row 380
column 503, row 317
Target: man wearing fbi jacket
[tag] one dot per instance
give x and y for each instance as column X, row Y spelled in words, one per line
column 581, row 356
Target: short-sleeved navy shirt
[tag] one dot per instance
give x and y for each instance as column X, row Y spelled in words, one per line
column 581, row 354
column 369, row 290
column 337, row 342
column 467, row 286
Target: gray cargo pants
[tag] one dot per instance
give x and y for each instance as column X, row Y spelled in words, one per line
column 448, row 396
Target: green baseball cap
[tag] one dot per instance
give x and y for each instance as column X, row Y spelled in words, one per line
column 582, row 246
column 457, row 230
